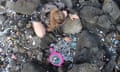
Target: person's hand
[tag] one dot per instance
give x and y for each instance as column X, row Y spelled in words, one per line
column 67, row 39
column 73, row 16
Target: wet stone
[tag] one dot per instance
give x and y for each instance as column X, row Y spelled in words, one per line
column 21, row 49
column 72, row 27
column 90, row 14
column 112, row 9
column 118, row 28
column 105, row 22
column 21, row 6
column 86, row 67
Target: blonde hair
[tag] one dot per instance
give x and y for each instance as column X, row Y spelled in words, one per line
column 56, row 17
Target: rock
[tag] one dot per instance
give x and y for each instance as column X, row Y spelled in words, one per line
column 86, row 67
column 23, row 6
column 2, row 11
column 93, row 3
column 117, row 2
column 112, row 9
column 29, row 68
column 68, row 3
column 105, row 23
column 118, row 27
column 87, row 39
column 2, row 2
column 32, row 43
column 94, row 18
column 88, row 49
column 90, row 14
column 112, row 39
column 2, row 19
column 72, row 27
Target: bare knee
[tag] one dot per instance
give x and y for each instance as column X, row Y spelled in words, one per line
column 41, row 35
column 39, row 29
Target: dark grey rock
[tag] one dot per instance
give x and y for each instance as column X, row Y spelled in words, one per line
column 118, row 27
column 87, row 39
column 86, row 67
column 112, row 9
column 68, row 3
column 28, row 67
column 105, row 23
column 118, row 2
column 88, row 49
column 23, row 6
column 109, row 38
column 2, row 19
column 93, row 3
column 90, row 14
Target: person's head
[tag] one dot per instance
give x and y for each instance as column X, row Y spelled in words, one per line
column 56, row 17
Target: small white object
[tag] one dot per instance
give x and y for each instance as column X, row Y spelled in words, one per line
column 33, row 43
column 1, row 50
